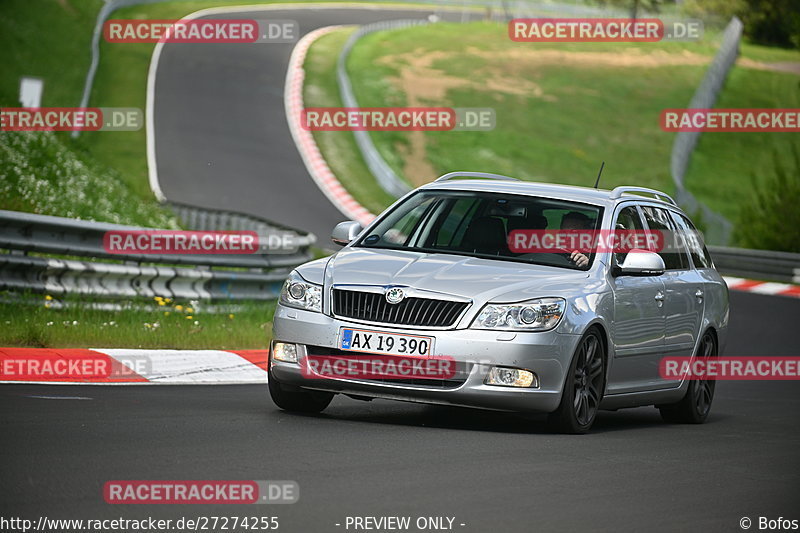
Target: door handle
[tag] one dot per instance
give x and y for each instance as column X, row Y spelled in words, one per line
column 659, row 296
column 698, row 294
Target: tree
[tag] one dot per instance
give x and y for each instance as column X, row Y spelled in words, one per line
column 769, row 22
column 721, row 10
column 772, row 22
column 771, row 220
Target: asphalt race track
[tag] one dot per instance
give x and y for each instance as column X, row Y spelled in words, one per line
column 492, row 471
column 222, row 141
column 221, row 134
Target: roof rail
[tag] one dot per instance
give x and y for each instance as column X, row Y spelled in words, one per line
column 486, row 175
column 619, row 191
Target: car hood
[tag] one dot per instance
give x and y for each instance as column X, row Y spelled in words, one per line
column 468, row 277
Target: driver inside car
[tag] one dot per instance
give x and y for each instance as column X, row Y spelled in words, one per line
column 576, row 221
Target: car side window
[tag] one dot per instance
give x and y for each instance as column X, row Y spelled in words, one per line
column 694, row 241
column 403, row 229
column 659, row 220
column 627, row 219
column 452, row 226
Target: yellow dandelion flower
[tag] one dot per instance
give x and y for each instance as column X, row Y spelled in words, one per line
column 48, row 297
column 188, row 317
column 179, row 308
column 189, row 310
column 231, row 316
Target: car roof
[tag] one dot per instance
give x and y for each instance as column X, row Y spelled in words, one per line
column 589, row 195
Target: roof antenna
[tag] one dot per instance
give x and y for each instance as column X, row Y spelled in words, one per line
column 597, row 182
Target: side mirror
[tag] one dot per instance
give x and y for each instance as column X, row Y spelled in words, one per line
column 345, row 232
column 641, row 263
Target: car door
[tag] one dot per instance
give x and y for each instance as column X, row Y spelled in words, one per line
column 639, row 322
column 683, row 296
column 701, row 263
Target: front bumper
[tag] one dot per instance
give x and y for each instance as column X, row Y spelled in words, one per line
column 548, row 354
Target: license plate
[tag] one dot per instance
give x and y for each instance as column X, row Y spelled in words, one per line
column 367, row 341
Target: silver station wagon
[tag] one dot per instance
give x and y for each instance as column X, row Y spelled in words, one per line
column 436, row 278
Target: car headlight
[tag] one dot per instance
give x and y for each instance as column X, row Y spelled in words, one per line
column 534, row 315
column 299, row 293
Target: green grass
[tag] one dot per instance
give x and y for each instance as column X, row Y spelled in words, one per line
column 339, row 147
column 50, row 173
column 724, row 164
column 590, row 113
column 39, row 173
column 51, row 38
column 139, row 324
column 48, row 39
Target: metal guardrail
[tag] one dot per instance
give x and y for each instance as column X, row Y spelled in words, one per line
column 109, row 7
column 111, row 280
column 113, row 275
column 198, row 277
column 718, row 228
column 207, row 219
column 380, row 169
column 759, row 264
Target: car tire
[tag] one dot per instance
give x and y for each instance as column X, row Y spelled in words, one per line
column 297, row 400
column 583, row 388
column 694, row 407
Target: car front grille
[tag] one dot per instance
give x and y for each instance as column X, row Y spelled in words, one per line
column 373, row 307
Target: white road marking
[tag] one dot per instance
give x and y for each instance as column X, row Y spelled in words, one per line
column 58, row 397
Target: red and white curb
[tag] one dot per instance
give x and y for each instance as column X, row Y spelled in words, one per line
column 309, row 151
column 762, row 287
column 128, row 367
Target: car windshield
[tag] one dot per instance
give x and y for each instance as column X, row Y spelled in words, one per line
column 478, row 224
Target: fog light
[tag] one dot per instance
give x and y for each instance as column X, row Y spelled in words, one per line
column 512, row 377
column 282, row 351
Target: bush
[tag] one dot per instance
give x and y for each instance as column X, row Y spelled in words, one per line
column 772, row 22
column 716, row 12
column 771, row 221
column 767, row 22
column 41, row 174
